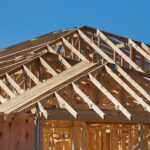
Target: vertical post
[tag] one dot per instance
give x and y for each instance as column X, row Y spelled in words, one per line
column 37, row 134
column 84, row 137
column 141, row 130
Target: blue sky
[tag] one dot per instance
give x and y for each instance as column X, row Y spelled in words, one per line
column 21, row 20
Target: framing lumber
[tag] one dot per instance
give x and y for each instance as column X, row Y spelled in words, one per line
column 47, row 67
column 136, row 146
column 110, row 97
column 145, row 47
column 6, row 89
column 47, row 86
column 88, row 101
column 121, row 45
column 128, row 89
column 74, row 50
column 41, row 108
column 138, row 49
column 111, row 116
column 50, row 49
column 64, row 104
column 133, row 82
column 124, row 56
column 77, row 105
column 14, row 84
column 31, row 75
column 119, row 69
column 2, row 100
column 141, row 128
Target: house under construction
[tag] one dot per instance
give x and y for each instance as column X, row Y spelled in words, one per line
column 75, row 89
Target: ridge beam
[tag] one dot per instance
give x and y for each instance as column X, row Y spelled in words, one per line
column 31, row 75
column 41, row 108
column 64, row 104
column 119, row 69
column 74, row 50
column 66, row 64
column 14, row 84
column 6, row 89
column 88, row 101
column 127, row 88
column 110, row 96
column 145, row 47
column 47, row 67
column 138, row 49
column 114, row 47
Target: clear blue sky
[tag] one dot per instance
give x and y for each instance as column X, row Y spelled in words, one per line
column 24, row 19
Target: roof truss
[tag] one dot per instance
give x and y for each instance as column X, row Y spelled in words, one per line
column 43, row 70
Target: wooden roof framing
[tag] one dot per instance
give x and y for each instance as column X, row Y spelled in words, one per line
column 64, row 72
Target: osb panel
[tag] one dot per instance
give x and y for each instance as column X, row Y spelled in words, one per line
column 18, row 134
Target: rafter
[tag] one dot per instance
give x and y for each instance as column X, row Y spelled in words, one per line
column 133, row 82
column 48, row 86
column 74, row 50
column 48, row 67
column 14, row 84
column 145, row 47
column 138, row 49
column 104, row 77
column 128, row 89
column 6, row 89
column 50, row 49
column 64, row 104
column 110, row 97
column 88, row 101
column 119, row 69
column 41, row 108
column 115, row 48
column 31, row 75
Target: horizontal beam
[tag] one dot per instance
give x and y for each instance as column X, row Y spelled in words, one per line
column 121, row 45
column 111, row 116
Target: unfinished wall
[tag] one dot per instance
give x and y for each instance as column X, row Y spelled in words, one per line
column 69, row 135
column 17, row 134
